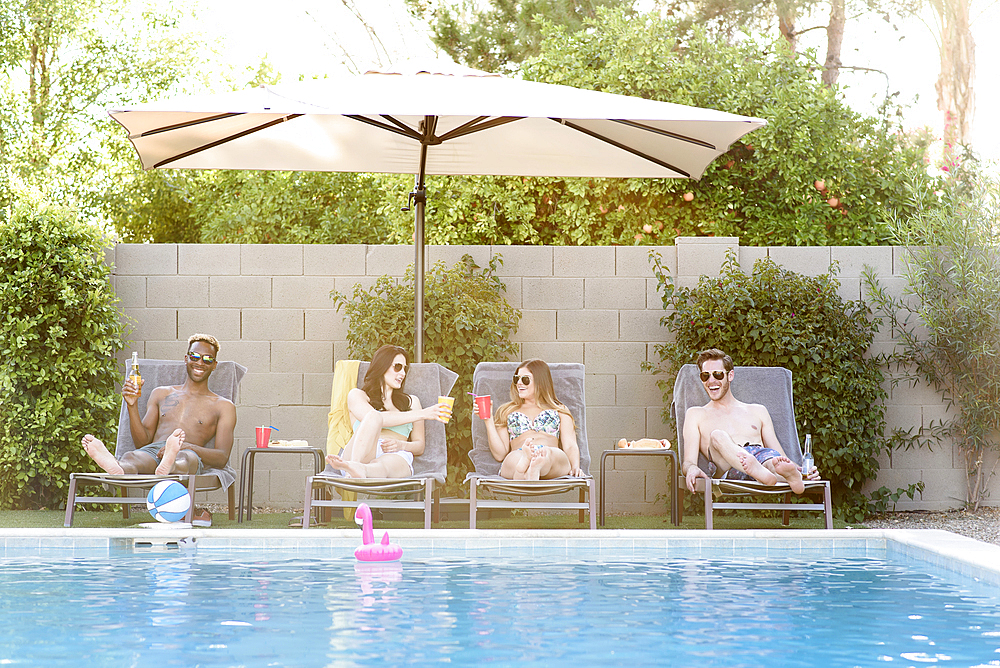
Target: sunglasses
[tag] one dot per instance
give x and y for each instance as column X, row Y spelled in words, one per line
column 399, row 366
column 523, row 380
column 719, row 375
column 207, row 359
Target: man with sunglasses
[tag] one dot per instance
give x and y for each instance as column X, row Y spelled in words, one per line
column 179, row 420
column 738, row 439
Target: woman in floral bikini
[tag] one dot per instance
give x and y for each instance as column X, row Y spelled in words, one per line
column 533, row 434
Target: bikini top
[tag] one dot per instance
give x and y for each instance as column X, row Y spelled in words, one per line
column 547, row 422
column 402, row 429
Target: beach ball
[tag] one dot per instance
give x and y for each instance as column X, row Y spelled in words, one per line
column 168, row 501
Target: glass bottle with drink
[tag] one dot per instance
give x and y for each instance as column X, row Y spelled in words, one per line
column 807, row 455
column 134, row 374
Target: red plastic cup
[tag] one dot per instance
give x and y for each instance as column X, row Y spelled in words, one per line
column 263, row 436
column 484, row 405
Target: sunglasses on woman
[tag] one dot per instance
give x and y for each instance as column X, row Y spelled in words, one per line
column 399, row 366
column 523, row 380
column 207, row 359
column 718, row 375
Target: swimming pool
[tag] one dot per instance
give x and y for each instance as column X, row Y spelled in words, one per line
column 751, row 598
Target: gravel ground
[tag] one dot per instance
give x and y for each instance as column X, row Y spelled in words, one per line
column 983, row 525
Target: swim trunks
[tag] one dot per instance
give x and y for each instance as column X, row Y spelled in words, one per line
column 760, row 453
column 547, row 422
column 153, row 450
column 405, row 454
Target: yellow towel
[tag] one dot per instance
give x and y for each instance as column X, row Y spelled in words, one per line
column 338, row 420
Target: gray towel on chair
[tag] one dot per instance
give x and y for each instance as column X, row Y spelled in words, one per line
column 770, row 386
column 493, row 378
column 225, row 381
column 427, row 381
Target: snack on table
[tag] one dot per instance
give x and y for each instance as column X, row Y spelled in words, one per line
column 643, row 444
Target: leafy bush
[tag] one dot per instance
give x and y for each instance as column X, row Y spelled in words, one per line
column 467, row 321
column 776, row 317
column 59, row 333
column 947, row 325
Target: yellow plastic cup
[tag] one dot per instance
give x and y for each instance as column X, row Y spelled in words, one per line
column 450, row 401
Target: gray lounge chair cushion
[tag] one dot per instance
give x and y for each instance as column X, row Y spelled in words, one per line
column 767, row 385
column 427, row 381
column 225, row 381
column 493, row 378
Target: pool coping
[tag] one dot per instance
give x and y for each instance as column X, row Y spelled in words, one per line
column 946, row 550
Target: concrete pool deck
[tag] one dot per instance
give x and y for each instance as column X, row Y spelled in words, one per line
column 943, row 549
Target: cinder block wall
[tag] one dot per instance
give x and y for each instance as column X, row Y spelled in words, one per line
column 269, row 306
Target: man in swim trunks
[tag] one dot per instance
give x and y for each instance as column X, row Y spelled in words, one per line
column 179, row 420
column 737, row 438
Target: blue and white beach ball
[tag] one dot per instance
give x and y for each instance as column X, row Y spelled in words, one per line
column 168, row 501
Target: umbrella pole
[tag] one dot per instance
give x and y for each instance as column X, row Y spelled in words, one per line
column 419, row 198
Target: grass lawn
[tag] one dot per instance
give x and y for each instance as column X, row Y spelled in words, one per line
column 107, row 519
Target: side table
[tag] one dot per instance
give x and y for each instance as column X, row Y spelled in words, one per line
column 657, row 452
column 247, row 468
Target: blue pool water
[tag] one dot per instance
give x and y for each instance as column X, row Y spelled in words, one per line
column 231, row 608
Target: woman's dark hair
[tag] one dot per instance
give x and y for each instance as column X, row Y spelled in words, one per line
column 373, row 385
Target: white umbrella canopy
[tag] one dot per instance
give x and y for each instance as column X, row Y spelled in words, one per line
column 438, row 120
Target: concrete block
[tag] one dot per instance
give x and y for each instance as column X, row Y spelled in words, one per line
column 946, row 487
column 552, row 293
column 624, row 487
column 904, row 416
column 311, row 292
column 600, row 389
column 634, row 260
column 272, row 389
column 607, row 424
column 536, row 326
column 452, row 255
column 325, row 325
column 341, row 351
column 222, row 323
column 513, row 291
column 288, row 486
column 851, row 289
column 273, row 324
column 298, row 356
column 853, row 259
column 248, row 418
column 641, row 326
column 153, row 324
column 920, row 395
column 808, row 260
column 271, row 259
column 901, row 256
column 637, row 390
column 239, row 292
column 316, row 388
column 698, row 256
column 391, row 260
column 614, row 357
column 583, row 261
column 587, row 325
column 555, row 351
column 109, row 257
column 309, row 422
column 940, row 457
column 656, row 424
column 130, row 290
column 749, row 255
column 254, row 355
column 163, row 350
column 333, row 259
column 177, row 291
column 654, row 297
column 208, row 259
column 614, row 293
column 525, row 260
column 145, row 259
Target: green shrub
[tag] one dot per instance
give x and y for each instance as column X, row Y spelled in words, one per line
column 776, row 317
column 467, row 321
column 59, row 333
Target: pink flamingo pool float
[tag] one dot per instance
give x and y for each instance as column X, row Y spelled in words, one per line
column 369, row 550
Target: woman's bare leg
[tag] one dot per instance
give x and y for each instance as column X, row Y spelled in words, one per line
column 387, row 466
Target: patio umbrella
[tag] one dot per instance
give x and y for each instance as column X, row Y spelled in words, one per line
column 440, row 120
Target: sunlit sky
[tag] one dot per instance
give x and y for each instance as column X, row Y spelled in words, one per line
column 313, row 37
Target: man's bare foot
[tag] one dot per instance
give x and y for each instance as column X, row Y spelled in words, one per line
column 170, row 450
column 353, row 469
column 538, row 457
column 95, row 450
column 755, row 469
column 787, row 469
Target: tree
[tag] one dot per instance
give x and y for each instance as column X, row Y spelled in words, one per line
column 499, row 36
column 956, row 98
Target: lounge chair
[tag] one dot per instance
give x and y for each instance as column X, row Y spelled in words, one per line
column 428, row 381
column 772, row 387
column 493, row 378
column 225, row 381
